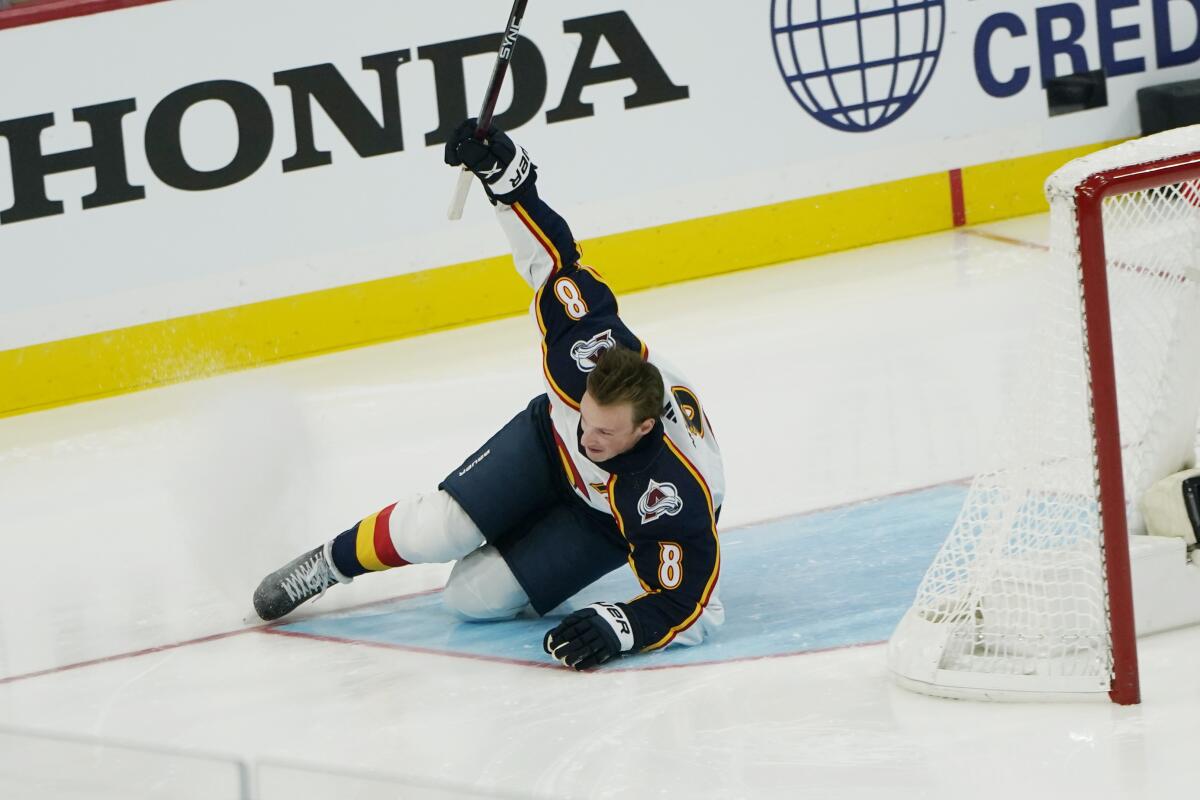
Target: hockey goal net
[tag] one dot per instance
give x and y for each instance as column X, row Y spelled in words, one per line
column 1030, row 596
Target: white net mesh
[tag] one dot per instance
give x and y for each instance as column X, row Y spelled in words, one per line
column 1017, row 589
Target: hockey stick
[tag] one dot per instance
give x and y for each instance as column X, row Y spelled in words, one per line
column 507, row 45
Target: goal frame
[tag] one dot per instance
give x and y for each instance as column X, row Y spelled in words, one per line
column 1090, row 195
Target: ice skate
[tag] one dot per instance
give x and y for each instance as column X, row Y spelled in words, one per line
column 301, row 579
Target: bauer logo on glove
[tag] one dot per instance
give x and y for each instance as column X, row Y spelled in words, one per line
column 590, row 636
column 504, row 168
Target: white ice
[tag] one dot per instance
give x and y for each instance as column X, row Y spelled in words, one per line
column 144, row 521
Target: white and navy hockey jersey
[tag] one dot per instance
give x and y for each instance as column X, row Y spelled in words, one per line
column 666, row 493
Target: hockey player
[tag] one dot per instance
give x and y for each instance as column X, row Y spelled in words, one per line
column 616, row 463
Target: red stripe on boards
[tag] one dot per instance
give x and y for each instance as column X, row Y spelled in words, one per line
column 958, row 205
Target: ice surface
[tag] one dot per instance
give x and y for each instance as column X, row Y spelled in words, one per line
column 140, row 524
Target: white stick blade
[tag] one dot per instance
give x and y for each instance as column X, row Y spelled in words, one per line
column 459, row 200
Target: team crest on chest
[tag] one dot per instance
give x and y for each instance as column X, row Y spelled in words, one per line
column 587, row 352
column 660, row 500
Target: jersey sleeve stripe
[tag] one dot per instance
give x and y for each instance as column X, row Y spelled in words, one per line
column 612, row 504
column 540, row 235
column 646, row 590
column 712, row 580
column 599, row 279
column 695, row 474
column 642, row 348
column 537, row 310
column 568, row 465
column 683, row 626
column 558, row 390
column 696, row 612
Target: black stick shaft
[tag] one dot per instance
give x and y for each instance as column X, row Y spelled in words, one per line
column 508, row 44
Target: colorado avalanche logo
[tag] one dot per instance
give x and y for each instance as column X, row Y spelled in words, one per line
column 587, row 353
column 660, row 500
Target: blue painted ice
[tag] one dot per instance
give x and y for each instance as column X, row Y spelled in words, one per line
column 825, row 579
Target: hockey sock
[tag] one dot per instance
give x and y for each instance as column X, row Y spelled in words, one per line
column 423, row 529
column 367, row 547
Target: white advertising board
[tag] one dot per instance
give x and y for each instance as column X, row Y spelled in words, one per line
column 219, row 152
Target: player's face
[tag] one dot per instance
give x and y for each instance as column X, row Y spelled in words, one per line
column 609, row 430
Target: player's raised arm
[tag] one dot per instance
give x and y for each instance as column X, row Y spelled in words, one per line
column 541, row 241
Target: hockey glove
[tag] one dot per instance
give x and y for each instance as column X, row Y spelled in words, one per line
column 504, row 167
column 590, row 636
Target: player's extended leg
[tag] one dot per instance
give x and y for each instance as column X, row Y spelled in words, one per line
column 481, row 588
column 510, row 479
column 422, row 529
column 537, row 564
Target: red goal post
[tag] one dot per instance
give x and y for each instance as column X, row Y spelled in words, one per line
column 1090, row 195
column 1031, row 596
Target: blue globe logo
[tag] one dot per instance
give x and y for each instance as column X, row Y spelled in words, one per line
column 857, row 65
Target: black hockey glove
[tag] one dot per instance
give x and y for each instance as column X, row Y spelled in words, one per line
column 590, row 636
column 504, row 167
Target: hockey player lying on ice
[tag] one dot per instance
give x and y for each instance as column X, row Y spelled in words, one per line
column 616, row 463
